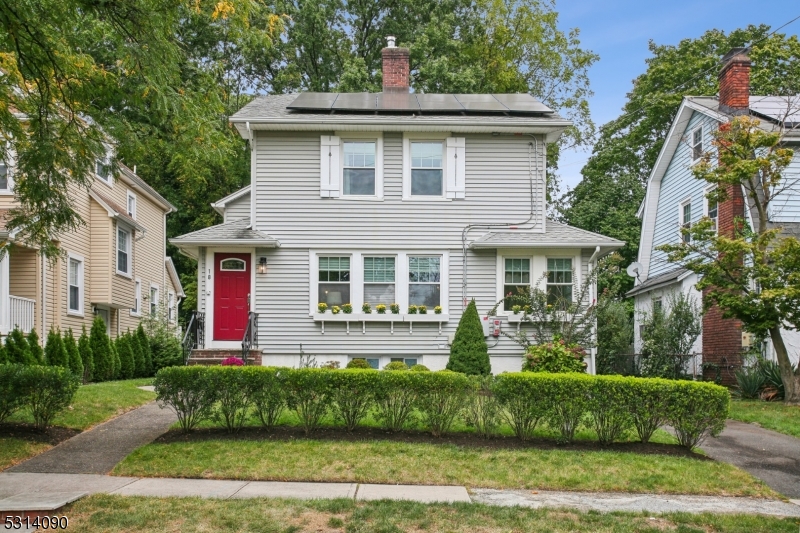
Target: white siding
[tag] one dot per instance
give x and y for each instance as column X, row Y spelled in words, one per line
column 237, row 209
column 786, row 206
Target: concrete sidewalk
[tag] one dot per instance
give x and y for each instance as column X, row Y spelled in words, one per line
column 44, row 486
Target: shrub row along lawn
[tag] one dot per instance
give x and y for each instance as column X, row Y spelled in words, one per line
column 612, row 405
column 91, row 405
column 110, row 514
column 776, row 416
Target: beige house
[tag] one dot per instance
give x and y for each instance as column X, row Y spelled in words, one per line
column 114, row 266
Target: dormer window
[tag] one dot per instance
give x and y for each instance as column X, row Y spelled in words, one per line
column 102, row 168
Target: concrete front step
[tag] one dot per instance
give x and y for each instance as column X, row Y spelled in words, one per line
column 216, row 356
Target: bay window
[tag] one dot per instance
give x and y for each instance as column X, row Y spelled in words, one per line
column 424, row 281
column 516, row 280
column 559, row 280
column 334, row 281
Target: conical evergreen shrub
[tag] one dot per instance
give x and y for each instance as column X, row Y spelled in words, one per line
column 85, row 350
column 3, row 355
column 117, row 368
column 37, row 354
column 127, row 367
column 101, row 351
column 147, row 350
column 55, row 353
column 17, row 348
column 469, row 353
column 138, row 355
column 75, row 362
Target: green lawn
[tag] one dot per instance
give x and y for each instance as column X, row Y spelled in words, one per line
column 776, row 416
column 103, row 513
column 376, row 460
column 93, row 404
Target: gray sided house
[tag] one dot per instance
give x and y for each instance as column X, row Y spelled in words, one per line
column 387, row 198
column 676, row 199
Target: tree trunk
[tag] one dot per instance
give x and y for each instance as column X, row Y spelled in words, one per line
column 791, row 382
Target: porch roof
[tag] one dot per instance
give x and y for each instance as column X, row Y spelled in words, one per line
column 556, row 235
column 235, row 233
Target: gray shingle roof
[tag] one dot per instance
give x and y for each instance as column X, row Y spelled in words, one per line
column 139, row 182
column 556, row 235
column 233, row 233
column 666, row 277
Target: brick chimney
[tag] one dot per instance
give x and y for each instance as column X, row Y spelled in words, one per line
column 734, row 82
column 395, row 67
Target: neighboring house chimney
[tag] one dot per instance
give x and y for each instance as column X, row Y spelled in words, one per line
column 734, row 82
column 395, row 67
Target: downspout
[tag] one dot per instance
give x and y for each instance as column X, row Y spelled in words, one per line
column 44, row 296
column 593, row 350
column 509, row 225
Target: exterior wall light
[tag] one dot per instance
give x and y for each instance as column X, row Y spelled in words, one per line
column 262, row 265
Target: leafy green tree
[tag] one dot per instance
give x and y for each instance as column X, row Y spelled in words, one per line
column 35, row 348
column 750, row 273
column 469, row 353
column 17, row 348
column 126, row 356
column 75, row 361
column 668, row 334
column 87, row 356
column 613, row 184
column 100, row 345
column 55, row 352
column 138, row 354
column 144, row 343
column 614, row 334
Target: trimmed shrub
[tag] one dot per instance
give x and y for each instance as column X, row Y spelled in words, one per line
column 12, row 395
column 87, row 357
column 17, row 349
column 483, row 409
column 36, row 352
column 420, row 368
column 166, row 350
column 648, row 404
column 359, row 363
column 127, row 368
column 697, row 410
column 139, row 369
column 267, row 392
column 101, row 351
column 190, row 391
column 47, row 391
column 55, row 353
column 555, row 357
column 469, row 353
column 353, row 394
column 523, row 402
column 144, row 342
column 309, row 395
column 396, row 365
column 441, row 397
column 395, row 398
column 609, row 405
column 568, row 395
column 232, row 393
column 75, row 361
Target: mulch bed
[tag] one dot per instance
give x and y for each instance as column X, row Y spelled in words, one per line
column 52, row 435
column 467, row 440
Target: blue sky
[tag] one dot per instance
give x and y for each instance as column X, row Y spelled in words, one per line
column 619, row 31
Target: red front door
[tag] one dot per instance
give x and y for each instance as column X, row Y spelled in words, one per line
column 231, row 295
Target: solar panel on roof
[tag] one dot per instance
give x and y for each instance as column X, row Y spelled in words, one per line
column 439, row 102
column 523, row 103
column 313, row 101
column 480, row 102
column 355, row 102
column 392, row 101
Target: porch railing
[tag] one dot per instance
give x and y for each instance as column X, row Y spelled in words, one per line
column 22, row 313
column 195, row 336
column 250, row 338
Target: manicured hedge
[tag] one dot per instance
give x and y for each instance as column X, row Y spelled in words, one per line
column 43, row 390
column 613, row 406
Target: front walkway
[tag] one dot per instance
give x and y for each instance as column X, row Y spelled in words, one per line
column 772, row 457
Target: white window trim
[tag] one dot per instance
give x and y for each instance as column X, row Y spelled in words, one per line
column 346, row 136
column 128, row 274
column 706, row 192
column 681, row 204
column 692, row 145
column 137, row 296
column 408, row 137
column 132, row 214
column 81, row 284
column 150, row 299
column 171, row 307
column 538, row 259
column 401, row 276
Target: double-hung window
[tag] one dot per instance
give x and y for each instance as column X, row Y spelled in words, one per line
column 123, row 251
column 75, row 285
column 686, row 220
column 137, row 298
column 102, row 168
column 5, row 179
column 517, row 281
column 427, row 171
column 559, row 281
column 132, row 205
column 697, row 144
column 171, row 306
column 658, row 304
column 358, row 170
column 712, row 208
column 153, row 300
column 424, row 281
column 379, row 280
column 334, row 280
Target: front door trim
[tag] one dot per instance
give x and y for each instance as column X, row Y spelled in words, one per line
column 210, row 288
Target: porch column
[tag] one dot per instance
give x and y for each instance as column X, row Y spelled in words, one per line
column 5, row 301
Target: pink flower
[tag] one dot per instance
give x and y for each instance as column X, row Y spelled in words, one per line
column 232, row 361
